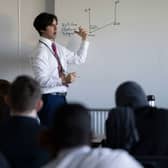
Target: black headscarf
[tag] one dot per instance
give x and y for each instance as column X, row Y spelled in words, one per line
column 130, row 94
column 120, row 129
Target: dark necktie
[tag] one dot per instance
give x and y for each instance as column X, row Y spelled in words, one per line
column 60, row 69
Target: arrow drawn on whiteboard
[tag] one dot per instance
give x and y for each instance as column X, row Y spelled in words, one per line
column 68, row 28
column 95, row 28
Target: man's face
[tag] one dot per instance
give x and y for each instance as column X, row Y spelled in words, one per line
column 50, row 31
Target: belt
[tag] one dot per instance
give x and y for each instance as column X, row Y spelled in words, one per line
column 59, row 93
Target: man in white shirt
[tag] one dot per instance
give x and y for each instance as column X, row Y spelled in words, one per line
column 70, row 140
column 49, row 63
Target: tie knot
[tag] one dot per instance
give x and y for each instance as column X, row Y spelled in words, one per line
column 54, row 47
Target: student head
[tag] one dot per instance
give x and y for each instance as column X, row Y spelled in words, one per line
column 24, row 95
column 130, row 94
column 72, row 127
column 46, row 25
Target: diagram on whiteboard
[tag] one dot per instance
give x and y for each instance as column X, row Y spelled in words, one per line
column 68, row 28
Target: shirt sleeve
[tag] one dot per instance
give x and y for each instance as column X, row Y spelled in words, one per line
column 79, row 56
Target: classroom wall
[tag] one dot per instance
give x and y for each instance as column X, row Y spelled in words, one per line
column 136, row 49
column 18, row 37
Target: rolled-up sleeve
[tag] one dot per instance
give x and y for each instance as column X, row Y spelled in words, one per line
column 78, row 57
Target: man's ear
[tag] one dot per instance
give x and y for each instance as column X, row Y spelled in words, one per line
column 42, row 31
column 39, row 105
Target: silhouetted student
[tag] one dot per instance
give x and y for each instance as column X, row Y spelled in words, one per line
column 19, row 136
column 151, row 122
column 120, row 129
column 4, row 108
column 70, row 140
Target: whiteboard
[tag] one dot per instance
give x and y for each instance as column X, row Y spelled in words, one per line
column 128, row 41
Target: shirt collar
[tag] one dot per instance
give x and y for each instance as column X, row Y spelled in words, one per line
column 46, row 41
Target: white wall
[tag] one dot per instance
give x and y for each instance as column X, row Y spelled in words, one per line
column 18, row 37
column 134, row 50
column 9, row 39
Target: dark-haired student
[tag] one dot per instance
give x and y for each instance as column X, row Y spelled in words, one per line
column 20, row 134
column 50, row 61
column 70, row 138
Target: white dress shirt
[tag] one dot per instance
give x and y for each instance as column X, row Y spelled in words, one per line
column 44, row 64
column 85, row 157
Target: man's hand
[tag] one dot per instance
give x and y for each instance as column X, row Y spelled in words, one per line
column 82, row 33
column 68, row 78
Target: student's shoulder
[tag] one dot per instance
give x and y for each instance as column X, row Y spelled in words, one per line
column 116, row 158
column 108, row 152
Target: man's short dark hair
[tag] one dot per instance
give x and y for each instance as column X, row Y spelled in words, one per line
column 24, row 93
column 72, row 126
column 43, row 20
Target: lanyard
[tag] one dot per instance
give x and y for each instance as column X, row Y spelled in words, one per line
column 47, row 47
column 50, row 50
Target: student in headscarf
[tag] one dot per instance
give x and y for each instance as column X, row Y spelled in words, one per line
column 151, row 122
column 120, row 129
